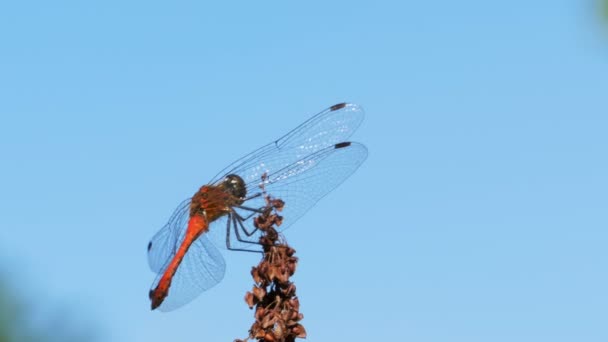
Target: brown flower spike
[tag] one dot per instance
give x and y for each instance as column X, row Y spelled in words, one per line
column 274, row 297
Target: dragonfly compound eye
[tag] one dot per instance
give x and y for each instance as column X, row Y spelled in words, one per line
column 235, row 186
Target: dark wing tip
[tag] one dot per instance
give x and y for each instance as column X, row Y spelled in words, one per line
column 149, row 245
column 342, row 144
column 338, row 106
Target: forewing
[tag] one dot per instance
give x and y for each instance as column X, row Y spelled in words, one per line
column 329, row 127
column 164, row 243
column 300, row 185
column 202, row 268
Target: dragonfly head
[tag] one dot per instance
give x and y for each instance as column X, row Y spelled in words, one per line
column 235, row 186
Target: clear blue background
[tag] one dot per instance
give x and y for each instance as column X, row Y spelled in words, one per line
column 480, row 214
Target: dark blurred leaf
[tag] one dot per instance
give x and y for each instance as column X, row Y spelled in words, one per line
column 17, row 323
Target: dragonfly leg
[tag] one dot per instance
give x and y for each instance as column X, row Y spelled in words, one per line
column 252, row 210
column 228, row 232
column 258, row 211
column 249, row 216
column 240, row 220
column 237, row 220
column 233, row 219
column 252, row 197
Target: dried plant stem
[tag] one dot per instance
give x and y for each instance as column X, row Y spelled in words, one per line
column 274, row 297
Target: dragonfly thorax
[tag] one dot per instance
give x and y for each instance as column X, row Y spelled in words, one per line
column 213, row 201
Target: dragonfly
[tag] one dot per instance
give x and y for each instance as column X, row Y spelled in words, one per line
column 299, row 168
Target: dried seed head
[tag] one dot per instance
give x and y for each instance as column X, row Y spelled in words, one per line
column 259, row 292
column 299, row 331
column 277, row 313
column 249, row 299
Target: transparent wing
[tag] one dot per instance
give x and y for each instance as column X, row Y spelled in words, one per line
column 329, row 127
column 300, row 185
column 164, row 243
column 202, row 268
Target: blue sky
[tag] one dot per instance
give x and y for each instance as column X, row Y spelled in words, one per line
column 480, row 214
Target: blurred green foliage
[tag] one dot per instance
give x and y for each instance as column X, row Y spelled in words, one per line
column 17, row 322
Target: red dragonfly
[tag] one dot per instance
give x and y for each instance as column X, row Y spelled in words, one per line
column 299, row 168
